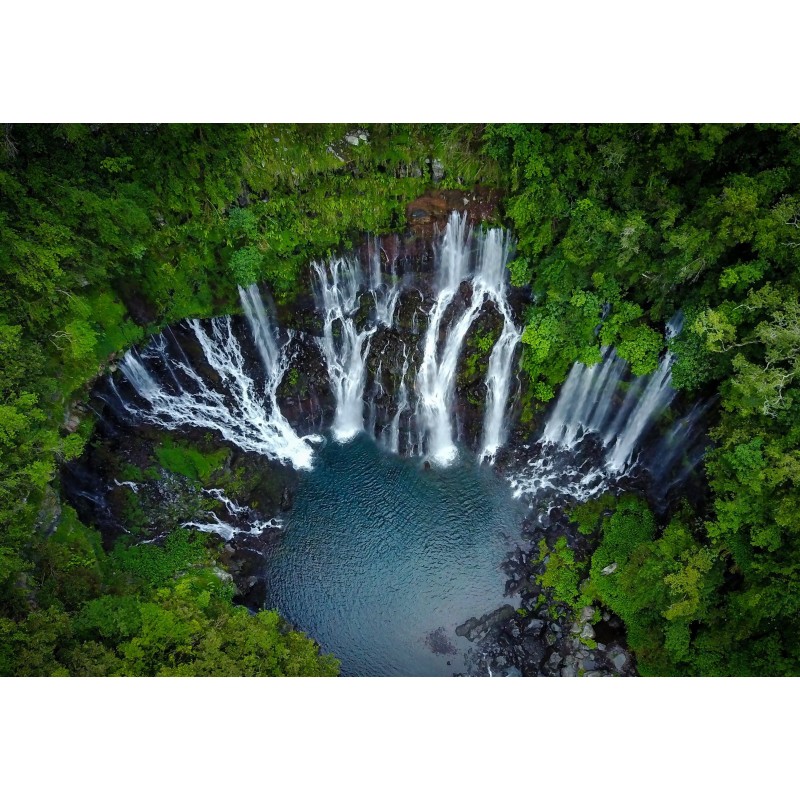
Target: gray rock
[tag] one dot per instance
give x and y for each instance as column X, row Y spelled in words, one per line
column 438, row 170
column 72, row 423
column 611, row 568
column 535, row 650
column 619, row 661
column 535, row 625
column 587, row 612
column 222, row 574
column 587, row 632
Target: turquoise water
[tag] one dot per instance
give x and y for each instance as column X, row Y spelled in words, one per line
column 381, row 560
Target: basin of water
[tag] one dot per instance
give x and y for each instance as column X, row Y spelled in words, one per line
column 381, row 559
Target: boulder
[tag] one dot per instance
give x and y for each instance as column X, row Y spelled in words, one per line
column 620, row 661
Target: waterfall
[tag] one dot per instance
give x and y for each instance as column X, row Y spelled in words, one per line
column 679, row 444
column 586, row 405
column 385, row 295
column 345, row 349
column 585, row 400
column 249, row 523
column 402, row 405
column 437, row 373
column 498, row 377
column 656, row 395
column 240, row 410
column 256, row 315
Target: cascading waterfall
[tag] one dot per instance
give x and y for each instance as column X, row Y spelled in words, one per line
column 344, row 348
column 656, row 395
column 498, row 377
column 585, row 408
column 585, row 401
column 385, row 294
column 470, row 271
column 402, row 406
column 248, row 522
column 436, row 378
column 245, row 413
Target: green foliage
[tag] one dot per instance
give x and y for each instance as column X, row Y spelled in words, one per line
column 190, row 462
column 555, row 336
column 588, row 516
column 520, row 272
column 660, row 586
column 633, row 222
column 155, row 564
column 640, row 347
column 561, row 574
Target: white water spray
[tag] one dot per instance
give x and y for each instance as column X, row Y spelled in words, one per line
column 245, row 413
column 436, row 378
column 436, row 373
column 344, row 348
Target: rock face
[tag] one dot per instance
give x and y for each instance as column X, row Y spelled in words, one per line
column 430, row 211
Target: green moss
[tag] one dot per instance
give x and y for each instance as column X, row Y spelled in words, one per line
column 189, row 462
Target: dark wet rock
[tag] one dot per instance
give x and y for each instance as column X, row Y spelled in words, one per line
column 476, row 629
column 534, row 625
column 535, row 650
